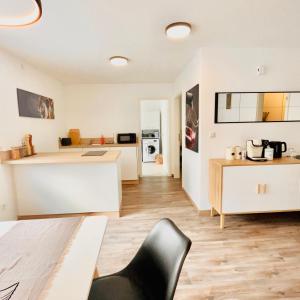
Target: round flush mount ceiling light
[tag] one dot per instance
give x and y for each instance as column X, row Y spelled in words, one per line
column 119, row 61
column 25, row 19
column 178, row 30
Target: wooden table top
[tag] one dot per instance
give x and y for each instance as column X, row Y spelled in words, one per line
column 74, row 277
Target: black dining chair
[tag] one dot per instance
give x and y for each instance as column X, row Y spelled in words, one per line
column 154, row 271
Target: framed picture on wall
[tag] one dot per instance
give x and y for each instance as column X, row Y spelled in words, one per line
column 192, row 119
column 35, row 106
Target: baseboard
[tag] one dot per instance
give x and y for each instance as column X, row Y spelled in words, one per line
column 110, row 214
column 131, row 181
column 190, row 199
column 202, row 213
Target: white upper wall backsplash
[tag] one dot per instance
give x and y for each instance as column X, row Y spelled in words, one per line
column 109, row 108
column 235, row 70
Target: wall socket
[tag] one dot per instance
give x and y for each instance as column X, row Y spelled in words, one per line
column 212, row 134
column 3, row 206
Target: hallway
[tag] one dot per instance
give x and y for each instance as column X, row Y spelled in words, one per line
column 246, row 260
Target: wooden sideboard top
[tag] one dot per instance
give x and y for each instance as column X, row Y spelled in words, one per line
column 236, row 163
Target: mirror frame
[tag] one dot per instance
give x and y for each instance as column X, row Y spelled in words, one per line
column 235, row 122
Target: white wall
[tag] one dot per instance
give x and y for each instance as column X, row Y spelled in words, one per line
column 150, row 114
column 16, row 74
column 191, row 161
column 109, row 108
column 12, row 127
column 234, row 69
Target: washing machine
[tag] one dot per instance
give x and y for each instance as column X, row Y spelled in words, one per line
column 151, row 148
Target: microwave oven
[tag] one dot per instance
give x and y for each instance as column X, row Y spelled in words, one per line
column 126, row 138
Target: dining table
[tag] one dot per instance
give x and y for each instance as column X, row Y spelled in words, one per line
column 50, row 259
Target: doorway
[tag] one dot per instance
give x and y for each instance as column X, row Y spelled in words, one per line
column 155, row 144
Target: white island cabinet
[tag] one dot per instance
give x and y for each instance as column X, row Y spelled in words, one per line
column 67, row 183
column 129, row 162
column 129, row 156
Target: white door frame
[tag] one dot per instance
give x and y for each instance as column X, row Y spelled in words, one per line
column 176, row 136
column 169, row 138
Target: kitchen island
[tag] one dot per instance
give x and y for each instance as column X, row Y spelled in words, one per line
column 67, row 183
column 129, row 160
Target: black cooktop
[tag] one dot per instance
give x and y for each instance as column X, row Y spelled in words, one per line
column 94, row 153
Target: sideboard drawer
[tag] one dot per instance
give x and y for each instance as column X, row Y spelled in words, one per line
column 261, row 188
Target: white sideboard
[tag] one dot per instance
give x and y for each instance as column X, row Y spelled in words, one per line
column 129, row 158
column 244, row 187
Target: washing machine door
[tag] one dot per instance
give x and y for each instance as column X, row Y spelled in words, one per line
column 151, row 149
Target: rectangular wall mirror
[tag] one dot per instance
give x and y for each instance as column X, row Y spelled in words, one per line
column 257, row 107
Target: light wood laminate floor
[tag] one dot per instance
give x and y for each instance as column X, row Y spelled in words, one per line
column 254, row 257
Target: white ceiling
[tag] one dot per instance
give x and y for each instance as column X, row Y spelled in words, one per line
column 75, row 38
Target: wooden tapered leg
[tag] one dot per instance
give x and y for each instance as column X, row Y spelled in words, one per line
column 96, row 273
column 212, row 212
column 222, row 221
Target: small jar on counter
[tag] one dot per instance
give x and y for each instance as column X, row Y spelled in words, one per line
column 269, row 153
column 238, row 152
column 230, row 153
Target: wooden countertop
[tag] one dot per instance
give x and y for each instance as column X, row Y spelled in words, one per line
column 65, row 158
column 98, row 146
column 82, row 252
column 236, row 163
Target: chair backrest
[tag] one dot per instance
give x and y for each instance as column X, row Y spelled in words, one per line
column 158, row 263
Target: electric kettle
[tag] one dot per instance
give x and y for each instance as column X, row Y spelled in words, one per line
column 279, row 148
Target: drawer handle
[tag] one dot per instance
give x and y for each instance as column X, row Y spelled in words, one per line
column 258, row 189
column 261, row 189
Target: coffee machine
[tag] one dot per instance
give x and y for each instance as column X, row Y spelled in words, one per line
column 256, row 149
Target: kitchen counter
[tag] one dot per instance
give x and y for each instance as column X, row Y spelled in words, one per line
column 98, row 146
column 129, row 157
column 67, row 183
column 65, row 158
